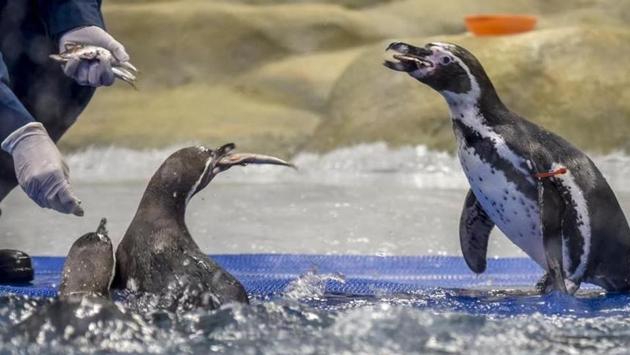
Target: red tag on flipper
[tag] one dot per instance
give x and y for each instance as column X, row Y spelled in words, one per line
column 549, row 174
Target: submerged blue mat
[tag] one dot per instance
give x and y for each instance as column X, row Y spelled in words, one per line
column 269, row 274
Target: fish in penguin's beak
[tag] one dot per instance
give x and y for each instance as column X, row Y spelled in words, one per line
column 251, row 158
column 225, row 158
column 408, row 58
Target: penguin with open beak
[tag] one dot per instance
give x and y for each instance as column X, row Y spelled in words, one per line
column 543, row 193
column 157, row 254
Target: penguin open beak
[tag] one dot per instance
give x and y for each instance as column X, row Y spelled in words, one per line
column 408, row 58
column 243, row 159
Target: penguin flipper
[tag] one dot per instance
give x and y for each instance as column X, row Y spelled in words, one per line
column 474, row 230
column 551, row 214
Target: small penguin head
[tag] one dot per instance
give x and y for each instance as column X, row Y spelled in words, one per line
column 190, row 170
column 445, row 67
column 89, row 266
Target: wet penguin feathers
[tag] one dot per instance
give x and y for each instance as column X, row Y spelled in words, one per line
column 89, row 266
column 158, row 255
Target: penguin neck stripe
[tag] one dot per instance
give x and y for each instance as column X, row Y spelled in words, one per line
column 471, row 118
column 468, row 98
column 198, row 182
column 481, row 93
column 465, row 108
column 485, row 149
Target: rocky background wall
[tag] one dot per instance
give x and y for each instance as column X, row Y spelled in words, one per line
column 286, row 76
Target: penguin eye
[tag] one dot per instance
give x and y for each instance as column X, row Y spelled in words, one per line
column 446, row 60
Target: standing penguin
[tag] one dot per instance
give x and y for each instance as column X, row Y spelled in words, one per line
column 544, row 194
column 158, row 255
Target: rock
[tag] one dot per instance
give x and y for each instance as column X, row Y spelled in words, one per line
column 597, row 13
column 345, row 3
column 571, row 80
column 193, row 113
column 213, row 41
column 303, row 81
column 415, row 18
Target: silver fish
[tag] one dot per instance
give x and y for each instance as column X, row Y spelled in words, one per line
column 124, row 71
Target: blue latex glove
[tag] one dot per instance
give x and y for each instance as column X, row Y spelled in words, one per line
column 92, row 73
column 40, row 169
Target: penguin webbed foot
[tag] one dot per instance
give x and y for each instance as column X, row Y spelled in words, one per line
column 548, row 284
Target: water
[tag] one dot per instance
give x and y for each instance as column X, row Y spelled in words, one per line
column 363, row 200
column 433, row 321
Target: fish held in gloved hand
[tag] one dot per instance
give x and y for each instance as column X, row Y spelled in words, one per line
column 122, row 70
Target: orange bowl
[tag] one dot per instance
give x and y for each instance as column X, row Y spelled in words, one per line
column 497, row 24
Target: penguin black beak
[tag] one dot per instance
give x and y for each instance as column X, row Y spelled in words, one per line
column 407, row 58
column 243, row 159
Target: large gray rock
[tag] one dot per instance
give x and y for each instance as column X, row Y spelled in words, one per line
column 573, row 81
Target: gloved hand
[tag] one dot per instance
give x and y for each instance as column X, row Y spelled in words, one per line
column 92, row 73
column 40, row 169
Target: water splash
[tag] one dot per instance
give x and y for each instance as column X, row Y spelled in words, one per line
column 82, row 325
column 430, row 321
column 311, row 286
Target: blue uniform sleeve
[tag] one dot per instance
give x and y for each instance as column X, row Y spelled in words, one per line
column 61, row 16
column 13, row 114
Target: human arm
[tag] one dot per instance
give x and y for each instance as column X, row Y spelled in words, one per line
column 61, row 16
column 39, row 167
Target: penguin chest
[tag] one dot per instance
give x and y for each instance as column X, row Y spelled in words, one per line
column 507, row 195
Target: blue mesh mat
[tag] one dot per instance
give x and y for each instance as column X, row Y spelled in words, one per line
column 268, row 274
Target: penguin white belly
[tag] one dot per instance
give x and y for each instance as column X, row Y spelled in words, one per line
column 516, row 215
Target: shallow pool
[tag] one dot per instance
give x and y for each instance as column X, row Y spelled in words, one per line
column 364, row 200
